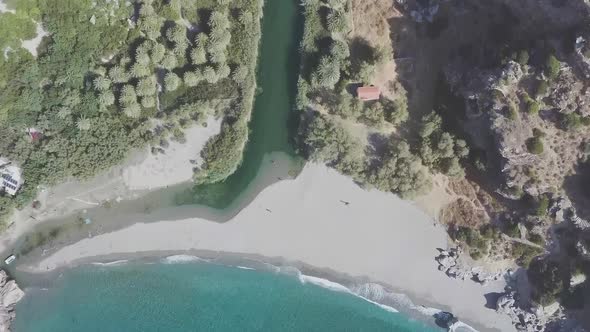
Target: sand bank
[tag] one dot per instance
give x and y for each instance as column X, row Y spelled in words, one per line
column 139, row 174
column 173, row 167
column 376, row 235
column 5, row 9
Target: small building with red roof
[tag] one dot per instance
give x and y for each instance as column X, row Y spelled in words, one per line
column 368, row 93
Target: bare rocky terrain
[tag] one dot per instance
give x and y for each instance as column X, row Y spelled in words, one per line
column 511, row 78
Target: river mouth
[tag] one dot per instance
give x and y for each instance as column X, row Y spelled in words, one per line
column 273, row 117
column 269, row 155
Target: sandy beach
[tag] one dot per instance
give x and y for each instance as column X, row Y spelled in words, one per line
column 376, row 236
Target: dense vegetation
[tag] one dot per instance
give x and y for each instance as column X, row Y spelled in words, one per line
column 378, row 156
column 115, row 77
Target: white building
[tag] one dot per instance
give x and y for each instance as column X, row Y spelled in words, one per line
column 10, row 177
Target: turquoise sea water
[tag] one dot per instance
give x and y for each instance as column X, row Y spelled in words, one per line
column 197, row 297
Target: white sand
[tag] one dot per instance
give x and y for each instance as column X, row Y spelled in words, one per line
column 378, row 236
column 32, row 44
column 5, row 9
column 175, row 165
column 140, row 173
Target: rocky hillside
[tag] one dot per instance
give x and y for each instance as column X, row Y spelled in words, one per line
column 519, row 96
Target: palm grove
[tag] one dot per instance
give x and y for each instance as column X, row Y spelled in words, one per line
column 113, row 76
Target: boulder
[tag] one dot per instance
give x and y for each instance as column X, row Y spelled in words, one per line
column 10, row 294
column 445, row 319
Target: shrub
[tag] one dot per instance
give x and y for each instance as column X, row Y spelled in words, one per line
column 552, row 66
column 489, row 232
column 538, row 133
column 542, row 206
column 511, row 229
column 536, row 238
column 545, row 280
column 396, row 111
column 475, row 254
column 373, row 115
column 512, row 112
column 532, row 107
column 524, row 253
column 472, row 238
column 220, row 155
column 515, row 191
column 571, row 121
column 542, row 88
column 523, row 57
column 440, row 150
column 535, row 145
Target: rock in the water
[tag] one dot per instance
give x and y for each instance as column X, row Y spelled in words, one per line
column 10, row 294
column 445, row 319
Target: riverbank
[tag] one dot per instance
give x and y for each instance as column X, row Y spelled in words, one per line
column 325, row 220
column 142, row 173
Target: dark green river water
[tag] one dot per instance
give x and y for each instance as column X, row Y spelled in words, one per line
column 272, row 117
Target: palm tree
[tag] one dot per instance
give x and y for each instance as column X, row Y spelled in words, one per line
column 106, row 98
column 132, row 110
column 64, row 112
column 102, row 83
column 83, row 124
column 118, row 74
column 171, row 81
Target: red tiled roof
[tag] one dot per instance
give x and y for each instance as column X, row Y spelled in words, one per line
column 35, row 136
column 368, row 93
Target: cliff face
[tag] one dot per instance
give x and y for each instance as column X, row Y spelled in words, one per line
column 520, row 95
column 10, row 294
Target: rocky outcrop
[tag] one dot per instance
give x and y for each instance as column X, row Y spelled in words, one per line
column 445, row 319
column 523, row 320
column 10, row 294
column 449, row 262
column 537, row 319
column 563, row 210
column 527, row 317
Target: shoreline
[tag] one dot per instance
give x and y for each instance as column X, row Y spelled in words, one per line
column 378, row 237
column 376, row 293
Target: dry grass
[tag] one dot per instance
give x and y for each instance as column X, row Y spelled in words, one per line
column 370, row 21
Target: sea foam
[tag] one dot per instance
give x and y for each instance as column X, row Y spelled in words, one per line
column 113, row 263
column 371, row 292
column 325, row 283
column 177, row 259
